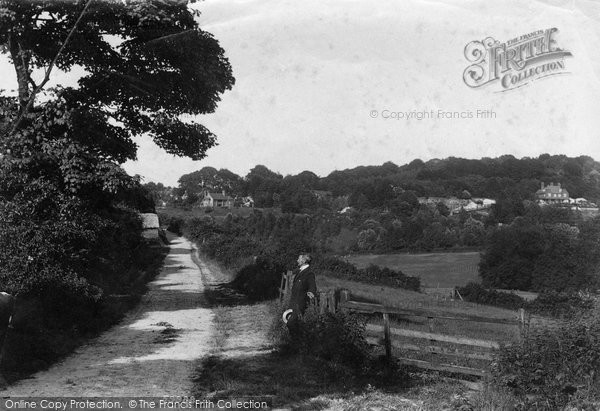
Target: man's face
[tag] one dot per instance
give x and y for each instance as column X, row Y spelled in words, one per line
column 301, row 260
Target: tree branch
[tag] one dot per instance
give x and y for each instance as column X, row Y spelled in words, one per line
column 49, row 70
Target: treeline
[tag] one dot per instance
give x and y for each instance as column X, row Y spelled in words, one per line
column 506, row 178
column 405, row 225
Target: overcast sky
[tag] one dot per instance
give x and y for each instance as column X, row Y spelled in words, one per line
column 311, row 76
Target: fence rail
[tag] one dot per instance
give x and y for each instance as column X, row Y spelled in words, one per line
column 403, row 339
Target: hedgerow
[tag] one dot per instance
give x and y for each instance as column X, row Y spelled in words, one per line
column 372, row 274
column 561, row 304
column 476, row 293
column 549, row 303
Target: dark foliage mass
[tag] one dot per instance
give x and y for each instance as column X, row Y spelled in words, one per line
column 69, row 230
column 385, row 213
column 532, row 254
column 371, row 275
column 477, row 293
column 549, row 303
column 266, row 245
column 555, row 367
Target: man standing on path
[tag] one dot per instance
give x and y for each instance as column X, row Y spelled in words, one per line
column 304, row 289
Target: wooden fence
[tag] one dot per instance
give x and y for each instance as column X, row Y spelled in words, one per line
column 406, row 341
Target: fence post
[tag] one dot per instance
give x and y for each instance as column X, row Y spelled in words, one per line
column 344, row 298
column 386, row 337
column 331, row 301
column 288, row 282
column 322, row 302
column 281, row 287
column 522, row 321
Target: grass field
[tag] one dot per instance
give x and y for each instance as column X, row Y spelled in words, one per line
column 435, row 269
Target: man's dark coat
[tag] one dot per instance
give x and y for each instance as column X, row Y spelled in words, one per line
column 304, row 282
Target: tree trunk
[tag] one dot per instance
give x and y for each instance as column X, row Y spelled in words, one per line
column 21, row 63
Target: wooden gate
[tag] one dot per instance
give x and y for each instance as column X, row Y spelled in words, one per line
column 404, row 342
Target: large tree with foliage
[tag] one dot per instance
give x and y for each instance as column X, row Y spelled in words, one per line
column 144, row 64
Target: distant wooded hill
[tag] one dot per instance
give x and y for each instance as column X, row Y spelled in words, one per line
column 505, row 177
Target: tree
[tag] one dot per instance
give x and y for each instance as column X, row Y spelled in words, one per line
column 146, row 64
column 208, row 178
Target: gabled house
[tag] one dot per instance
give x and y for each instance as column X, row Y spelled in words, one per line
column 217, row 200
column 551, row 194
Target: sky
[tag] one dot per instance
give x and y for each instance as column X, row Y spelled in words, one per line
column 317, row 83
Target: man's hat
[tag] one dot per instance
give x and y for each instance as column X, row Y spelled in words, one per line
column 286, row 315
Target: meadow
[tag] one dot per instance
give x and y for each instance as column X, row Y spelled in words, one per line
column 436, row 270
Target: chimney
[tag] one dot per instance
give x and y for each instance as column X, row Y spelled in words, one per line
column 558, row 185
column 542, row 185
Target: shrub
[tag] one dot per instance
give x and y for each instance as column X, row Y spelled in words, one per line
column 561, row 305
column 476, row 293
column 338, row 338
column 175, row 224
column 555, row 364
column 259, row 280
column 551, row 303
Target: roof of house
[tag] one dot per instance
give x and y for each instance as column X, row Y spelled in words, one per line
column 149, row 220
column 551, row 189
column 219, row 196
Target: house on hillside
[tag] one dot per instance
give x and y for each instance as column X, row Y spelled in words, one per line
column 217, row 200
column 322, row 194
column 454, row 204
column 243, row 202
column 150, row 225
column 478, row 204
column 552, row 194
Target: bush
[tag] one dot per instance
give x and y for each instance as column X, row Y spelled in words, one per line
column 551, row 303
column 557, row 365
column 476, row 293
column 260, row 280
column 338, row 338
column 173, row 224
column 561, row 305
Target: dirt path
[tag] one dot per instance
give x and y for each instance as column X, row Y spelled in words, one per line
column 152, row 352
